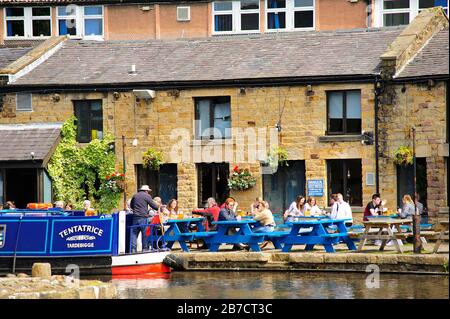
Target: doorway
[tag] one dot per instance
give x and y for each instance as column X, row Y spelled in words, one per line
column 212, row 182
column 21, row 186
column 405, row 184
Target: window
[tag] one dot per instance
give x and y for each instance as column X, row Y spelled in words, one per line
column 163, row 182
column 212, row 181
column 28, row 22
column 24, row 102
column 89, row 116
column 290, row 15
column 79, row 21
column 344, row 176
column 282, row 188
column 212, row 118
column 183, row 13
column 236, row 16
column 401, row 12
column 344, row 112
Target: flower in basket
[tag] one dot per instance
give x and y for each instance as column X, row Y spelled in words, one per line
column 114, row 182
column 152, row 158
column 404, row 156
column 241, row 179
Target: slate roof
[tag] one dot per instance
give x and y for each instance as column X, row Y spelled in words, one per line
column 9, row 55
column 433, row 59
column 17, row 141
column 282, row 55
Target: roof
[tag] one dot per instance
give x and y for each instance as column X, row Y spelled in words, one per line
column 433, row 59
column 9, row 55
column 281, row 55
column 17, row 141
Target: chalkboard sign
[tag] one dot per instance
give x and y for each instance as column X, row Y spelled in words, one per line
column 315, row 187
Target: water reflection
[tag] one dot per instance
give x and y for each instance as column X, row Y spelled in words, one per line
column 287, row 285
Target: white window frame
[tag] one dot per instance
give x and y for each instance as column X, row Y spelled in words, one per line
column 31, row 103
column 290, row 16
column 413, row 11
column 27, row 19
column 236, row 14
column 80, row 17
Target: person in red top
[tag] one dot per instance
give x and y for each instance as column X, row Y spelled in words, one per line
column 211, row 213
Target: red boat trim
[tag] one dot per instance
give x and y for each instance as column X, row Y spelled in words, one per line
column 140, row 269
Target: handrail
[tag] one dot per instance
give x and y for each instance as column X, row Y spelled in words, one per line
column 150, row 239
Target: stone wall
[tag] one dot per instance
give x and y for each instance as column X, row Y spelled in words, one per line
column 424, row 108
column 164, row 122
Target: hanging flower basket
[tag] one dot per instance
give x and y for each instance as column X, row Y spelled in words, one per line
column 114, row 183
column 241, row 179
column 277, row 157
column 404, row 156
column 153, row 159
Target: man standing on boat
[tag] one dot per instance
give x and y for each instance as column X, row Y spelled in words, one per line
column 141, row 214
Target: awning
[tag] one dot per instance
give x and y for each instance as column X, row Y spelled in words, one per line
column 28, row 145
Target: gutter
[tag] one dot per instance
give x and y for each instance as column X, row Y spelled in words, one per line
column 43, row 88
column 377, row 155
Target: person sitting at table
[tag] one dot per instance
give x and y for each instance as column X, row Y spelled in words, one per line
column 228, row 214
column 311, row 206
column 234, row 207
column 296, row 209
column 374, row 207
column 265, row 218
column 255, row 204
column 408, row 208
column 342, row 210
column 211, row 212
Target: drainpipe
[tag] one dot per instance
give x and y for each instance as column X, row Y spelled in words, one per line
column 377, row 89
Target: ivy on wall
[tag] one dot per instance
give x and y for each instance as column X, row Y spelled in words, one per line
column 79, row 172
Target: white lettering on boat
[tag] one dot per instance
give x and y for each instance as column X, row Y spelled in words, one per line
column 81, row 228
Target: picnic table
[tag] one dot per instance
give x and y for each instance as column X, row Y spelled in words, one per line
column 177, row 231
column 243, row 235
column 385, row 231
column 443, row 235
column 317, row 234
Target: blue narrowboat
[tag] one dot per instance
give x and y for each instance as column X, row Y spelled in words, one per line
column 98, row 245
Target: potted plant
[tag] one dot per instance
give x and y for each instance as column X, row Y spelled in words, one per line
column 241, row 179
column 277, row 156
column 153, row 159
column 404, row 156
column 115, row 182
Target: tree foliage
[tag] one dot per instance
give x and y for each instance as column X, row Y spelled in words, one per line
column 78, row 172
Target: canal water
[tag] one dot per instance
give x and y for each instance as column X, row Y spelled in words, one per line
column 286, row 285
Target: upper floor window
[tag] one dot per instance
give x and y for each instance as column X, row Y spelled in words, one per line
column 401, row 12
column 236, row 16
column 344, row 112
column 89, row 116
column 79, row 21
column 28, row 22
column 290, row 15
column 213, row 118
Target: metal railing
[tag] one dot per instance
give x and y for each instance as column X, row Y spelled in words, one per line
column 153, row 240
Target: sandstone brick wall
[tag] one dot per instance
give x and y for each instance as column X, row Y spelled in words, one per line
column 303, row 120
column 424, row 108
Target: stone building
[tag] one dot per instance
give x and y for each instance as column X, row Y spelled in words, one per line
column 328, row 98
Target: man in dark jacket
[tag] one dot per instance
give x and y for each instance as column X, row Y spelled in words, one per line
column 141, row 214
